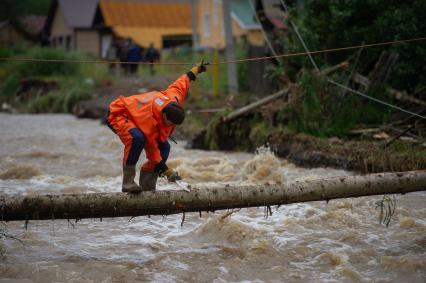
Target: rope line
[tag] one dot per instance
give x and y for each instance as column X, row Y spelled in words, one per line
column 325, row 50
column 220, row 62
column 375, row 99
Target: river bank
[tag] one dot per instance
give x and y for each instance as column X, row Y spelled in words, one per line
column 365, row 155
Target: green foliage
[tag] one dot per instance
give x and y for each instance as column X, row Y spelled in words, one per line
column 76, row 81
column 49, row 103
column 259, row 132
column 242, row 67
column 28, row 68
column 323, row 110
column 340, row 23
column 10, row 9
column 8, row 88
column 58, row 102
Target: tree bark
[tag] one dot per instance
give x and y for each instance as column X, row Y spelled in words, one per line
column 103, row 205
column 402, row 96
column 246, row 109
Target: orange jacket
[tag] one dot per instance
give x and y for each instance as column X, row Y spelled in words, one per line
column 145, row 111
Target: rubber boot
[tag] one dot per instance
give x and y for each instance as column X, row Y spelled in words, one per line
column 148, row 180
column 129, row 185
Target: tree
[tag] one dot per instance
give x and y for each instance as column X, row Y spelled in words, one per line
column 11, row 9
column 340, row 23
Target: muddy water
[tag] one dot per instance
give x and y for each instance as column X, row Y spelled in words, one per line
column 341, row 241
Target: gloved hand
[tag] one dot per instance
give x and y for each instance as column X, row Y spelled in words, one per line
column 197, row 69
column 161, row 167
column 172, row 175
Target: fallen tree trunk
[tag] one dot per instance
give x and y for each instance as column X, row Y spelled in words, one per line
column 210, row 199
column 402, row 96
column 246, row 109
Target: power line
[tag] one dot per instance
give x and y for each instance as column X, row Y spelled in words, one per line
column 331, row 50
column 296, row 30
column 375, row 99
column 326, row 50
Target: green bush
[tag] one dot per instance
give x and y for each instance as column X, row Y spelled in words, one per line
column 242, row 67
column 324, row 110
column 69, row 77
column 331, row 24
column 9, row 88
column 58, row 102
column 28, row 68
column 73, row 97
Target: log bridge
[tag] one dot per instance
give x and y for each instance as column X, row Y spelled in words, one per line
column 103, row 205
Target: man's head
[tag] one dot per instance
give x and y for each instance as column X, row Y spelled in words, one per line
column 173, row 113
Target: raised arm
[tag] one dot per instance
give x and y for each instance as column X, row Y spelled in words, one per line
column 180, row 87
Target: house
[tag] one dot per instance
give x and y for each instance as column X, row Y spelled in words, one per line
column 210, row 28
column 92, row 25
column 70, row 25
column 23, row 30
column 163, row 23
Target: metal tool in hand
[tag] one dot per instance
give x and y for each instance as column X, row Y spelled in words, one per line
column 183, row 185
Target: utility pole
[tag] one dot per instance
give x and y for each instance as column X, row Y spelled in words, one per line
column 229, row 49
column 194, row 25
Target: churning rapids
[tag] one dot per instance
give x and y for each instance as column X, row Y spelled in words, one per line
column 339, row 241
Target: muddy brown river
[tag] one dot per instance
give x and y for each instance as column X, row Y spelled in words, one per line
column 338, row 241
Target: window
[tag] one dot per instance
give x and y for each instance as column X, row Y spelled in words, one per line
column 68, row 42
column 60, row 41
column 207, row 25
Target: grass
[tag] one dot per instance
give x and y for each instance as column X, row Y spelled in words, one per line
column 76, row 81
column 323, row 110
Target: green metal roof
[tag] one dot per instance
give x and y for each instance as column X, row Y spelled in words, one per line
column 242, row 11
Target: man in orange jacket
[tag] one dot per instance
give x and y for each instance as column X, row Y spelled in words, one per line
column 145, row 121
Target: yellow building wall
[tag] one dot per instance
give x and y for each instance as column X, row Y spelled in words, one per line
column 144, row 36
column 214, row 11
column 255, row 37
column 88, row 41
column 210, row 18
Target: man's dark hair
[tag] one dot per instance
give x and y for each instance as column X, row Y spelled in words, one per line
column 174, row 113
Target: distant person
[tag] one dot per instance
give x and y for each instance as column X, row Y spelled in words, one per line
column 152, row 55
column 111, row 56
column 145, row 121
column 134, row 56
column 123, row 47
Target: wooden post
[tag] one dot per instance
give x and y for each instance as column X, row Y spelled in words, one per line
column 216, row 72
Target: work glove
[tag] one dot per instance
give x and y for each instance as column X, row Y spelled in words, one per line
column 171, row 174
column 197, row 69
column 160, row 167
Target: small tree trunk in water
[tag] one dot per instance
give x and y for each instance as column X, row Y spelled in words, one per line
column 209, row 199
